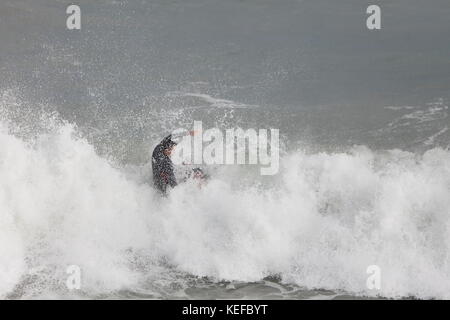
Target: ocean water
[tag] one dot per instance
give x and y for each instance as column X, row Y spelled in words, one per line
column 364, row 173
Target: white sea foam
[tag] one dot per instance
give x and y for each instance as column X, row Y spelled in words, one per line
column 324, row 219
column 216, row 102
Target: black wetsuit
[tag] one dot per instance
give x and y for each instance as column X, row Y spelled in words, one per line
column 162, row 166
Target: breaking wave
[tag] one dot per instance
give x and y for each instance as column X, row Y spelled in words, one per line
column 319, row 223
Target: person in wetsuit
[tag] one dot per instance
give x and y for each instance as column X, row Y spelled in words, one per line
column 162, row 166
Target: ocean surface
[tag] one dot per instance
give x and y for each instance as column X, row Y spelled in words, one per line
column 364, row 126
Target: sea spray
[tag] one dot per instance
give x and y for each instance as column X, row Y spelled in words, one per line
column 320, row 223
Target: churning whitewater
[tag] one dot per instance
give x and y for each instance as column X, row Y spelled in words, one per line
column 319, row 224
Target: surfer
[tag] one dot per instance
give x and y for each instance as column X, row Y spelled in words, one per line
column 162, row 166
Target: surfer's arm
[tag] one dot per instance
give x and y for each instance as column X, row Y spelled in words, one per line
column 178, row 135
column 167, row 173
column 171, row 180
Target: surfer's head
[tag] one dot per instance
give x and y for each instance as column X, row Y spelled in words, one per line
column 168, row 145
column 168, row 151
